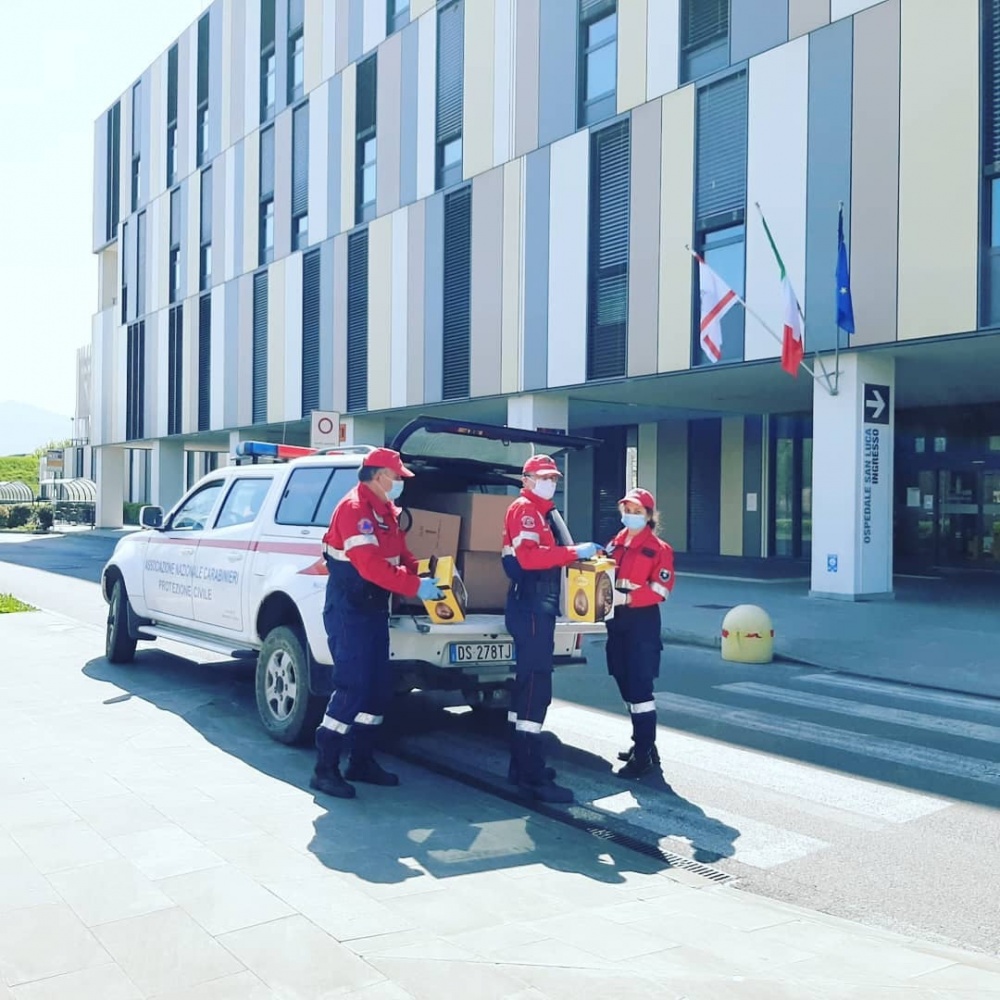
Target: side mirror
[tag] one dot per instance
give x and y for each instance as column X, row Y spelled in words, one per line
column 151, row 517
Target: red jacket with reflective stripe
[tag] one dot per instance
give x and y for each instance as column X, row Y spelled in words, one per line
column 528, row 537
column 365, row 528
column 645, row 566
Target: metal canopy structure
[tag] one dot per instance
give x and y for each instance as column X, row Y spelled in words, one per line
column 15, row 491
column 80, row 490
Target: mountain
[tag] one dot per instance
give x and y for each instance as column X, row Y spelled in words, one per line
column 24, row 427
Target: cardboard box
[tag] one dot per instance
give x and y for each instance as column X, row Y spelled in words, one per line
column 450, row 608
column 482, row 517
column 484, row 579
column 590, row 590
column 431, row 533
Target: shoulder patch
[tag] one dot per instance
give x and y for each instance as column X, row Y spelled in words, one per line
column 665, row 575
column 527, row 521
column 366, row 527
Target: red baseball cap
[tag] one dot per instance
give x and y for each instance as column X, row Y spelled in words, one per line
column 386, row 458
column 640, row 496
column 540, row 465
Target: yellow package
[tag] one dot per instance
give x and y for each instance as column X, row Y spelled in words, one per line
column 590, row 590
column 450, row 608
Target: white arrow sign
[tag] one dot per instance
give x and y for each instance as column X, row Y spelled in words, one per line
column 876, row 405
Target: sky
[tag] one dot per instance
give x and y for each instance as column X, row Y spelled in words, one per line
column 64, row 63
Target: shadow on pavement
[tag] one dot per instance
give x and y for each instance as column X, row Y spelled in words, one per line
column 79, row 556
column 385, row 835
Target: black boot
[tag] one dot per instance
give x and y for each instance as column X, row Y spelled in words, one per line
column 642, row 762
column 514, row 773
column 330, row 782
column 326, row 778
column 370, row 771
column 626, row 754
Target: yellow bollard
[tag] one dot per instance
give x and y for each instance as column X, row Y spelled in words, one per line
column 747, row 635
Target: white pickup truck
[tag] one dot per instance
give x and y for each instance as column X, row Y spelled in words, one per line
column 236, row 568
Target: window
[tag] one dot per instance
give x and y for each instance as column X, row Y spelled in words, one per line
column 990, row 298
column 204, row 27
column 194, row 513
column 598, row 60
column 175, row 244
column 357, row 320
column 205, row 227
column 126, row 270
column 300, row 177
column 704, row 37
column 136, row 144
column 204, row 362
column 172, row 116
column 266, row 230
column 450, row 92
column 135, row 389
column 311, row 272
column 296, row 51
column 311, row 495
column 397, row 15
column 140, row 264
column 268, row 61
column 720, row 199
column 365, row 141
column 113, row 174
column 607, row 278
column 175, row 369
column 243, row 502
column 259, row 367
column 457, row 293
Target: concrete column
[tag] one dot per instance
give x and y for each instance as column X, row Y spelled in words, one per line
column 853, row 480
column 167, row 471
column 110, row 475
column 535, row 412
column 365, row 429
column 663, row 471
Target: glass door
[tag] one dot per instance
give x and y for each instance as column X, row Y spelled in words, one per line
column 991, row 517
column 959, row 532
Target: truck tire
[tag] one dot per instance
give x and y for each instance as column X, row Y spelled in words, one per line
column 119, row 646
column 289, row 712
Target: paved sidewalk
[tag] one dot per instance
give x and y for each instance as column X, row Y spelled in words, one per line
column 936, row 633
column 155, row 847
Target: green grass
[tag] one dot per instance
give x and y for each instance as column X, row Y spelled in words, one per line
column 9, row 603
column 20, row 467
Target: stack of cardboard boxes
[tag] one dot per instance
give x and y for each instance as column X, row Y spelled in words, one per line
column 468, row 527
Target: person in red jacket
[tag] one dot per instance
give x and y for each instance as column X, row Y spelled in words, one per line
column 533, row 560
column 367, row 559
column 645, row 576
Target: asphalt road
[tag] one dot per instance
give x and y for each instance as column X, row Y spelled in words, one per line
column 860, row 798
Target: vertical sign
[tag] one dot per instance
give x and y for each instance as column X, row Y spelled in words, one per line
column 876, row 488
column 325, row 429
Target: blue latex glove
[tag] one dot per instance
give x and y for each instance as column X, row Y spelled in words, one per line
column 429, row 590
column 586, row 550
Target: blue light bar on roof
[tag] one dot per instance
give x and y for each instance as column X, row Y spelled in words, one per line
column 265, row 449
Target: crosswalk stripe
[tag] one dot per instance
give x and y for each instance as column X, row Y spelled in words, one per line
column 910, row 754
column 845, row 793
column 950, row 699
column 864, row 710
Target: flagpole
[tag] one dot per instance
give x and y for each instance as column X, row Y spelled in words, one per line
column 752, row 312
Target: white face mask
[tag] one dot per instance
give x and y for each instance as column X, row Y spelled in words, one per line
column 544, row 489
column 395, row 489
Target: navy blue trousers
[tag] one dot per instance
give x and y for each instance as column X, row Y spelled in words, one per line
column 633, row 653
column 534, row 641
column 362, row 679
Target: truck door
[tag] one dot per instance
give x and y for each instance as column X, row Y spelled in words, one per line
column 220, row 584
column 169, row 567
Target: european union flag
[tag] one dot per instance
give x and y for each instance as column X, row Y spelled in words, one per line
column 845, row 307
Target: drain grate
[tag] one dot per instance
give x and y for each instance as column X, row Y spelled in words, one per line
column 713, row 607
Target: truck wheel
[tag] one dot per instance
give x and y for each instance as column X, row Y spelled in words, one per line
column 289, row 712
column 119, row 646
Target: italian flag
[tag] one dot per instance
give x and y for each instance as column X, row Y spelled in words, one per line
column 792, row 348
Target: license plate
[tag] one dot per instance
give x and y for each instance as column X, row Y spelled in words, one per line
column 482, row 652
